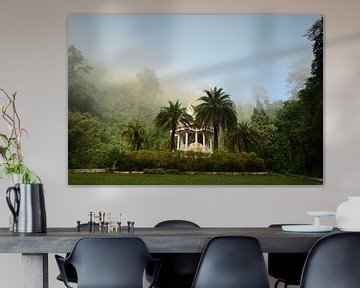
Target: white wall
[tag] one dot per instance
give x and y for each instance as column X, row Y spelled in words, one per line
column 33, row 62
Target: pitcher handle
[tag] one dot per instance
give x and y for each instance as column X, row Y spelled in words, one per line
column 13, row 208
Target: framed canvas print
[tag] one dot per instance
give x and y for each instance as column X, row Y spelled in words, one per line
column 195, row 99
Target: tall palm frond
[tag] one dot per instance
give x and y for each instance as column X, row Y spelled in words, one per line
column 216, row 110
column 170, row 116
column 242, row 138
column 135, row 133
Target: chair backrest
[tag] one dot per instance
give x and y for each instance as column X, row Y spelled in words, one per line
column 232, row 262
column 286, row 266
column 176, row 224
column 178, row 269
column 110, row 262
column 333, row 262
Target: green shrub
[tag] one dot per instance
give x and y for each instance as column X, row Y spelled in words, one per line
column 154, row 171
column 160, row 162
column 103, row 156
column 172, row 171
column 160, row 171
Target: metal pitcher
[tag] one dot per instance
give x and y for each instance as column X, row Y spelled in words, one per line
column 27, row 207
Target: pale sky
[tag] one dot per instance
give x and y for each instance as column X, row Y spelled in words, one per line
column 240, row 53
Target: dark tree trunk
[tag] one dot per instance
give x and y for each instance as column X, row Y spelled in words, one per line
column 216, row 137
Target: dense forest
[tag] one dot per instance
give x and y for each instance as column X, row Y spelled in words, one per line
column 110, row 120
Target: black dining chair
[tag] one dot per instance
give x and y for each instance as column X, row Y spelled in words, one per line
column 69, row 269
column 232, row 262
column 333, row 262
column 178, row 269
column 108, row 263
column 285, row 267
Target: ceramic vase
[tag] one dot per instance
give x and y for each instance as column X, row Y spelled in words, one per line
column 27, row 204
column 348, row 214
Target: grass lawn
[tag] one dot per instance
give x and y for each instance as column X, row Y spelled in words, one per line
column 182, row 179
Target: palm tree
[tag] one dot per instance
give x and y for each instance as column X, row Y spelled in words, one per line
column 170, row 116
column 242, row 138
column 217, row 110
column 135, row 133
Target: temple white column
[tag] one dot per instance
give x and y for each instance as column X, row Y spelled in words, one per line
column 210, row 144
column 178, row 142
column 186, row 140
column 204, row 142
column 196, row 137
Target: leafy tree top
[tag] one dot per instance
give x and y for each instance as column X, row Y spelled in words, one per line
column 216, row 110
column 76, row 62
column 170, row 116
column 315, row 34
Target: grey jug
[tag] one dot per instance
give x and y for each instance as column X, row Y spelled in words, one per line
column 28, row 208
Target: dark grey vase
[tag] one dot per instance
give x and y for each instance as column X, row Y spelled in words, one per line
column 27, row 204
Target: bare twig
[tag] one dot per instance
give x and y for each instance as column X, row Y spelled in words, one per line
column 14, row 124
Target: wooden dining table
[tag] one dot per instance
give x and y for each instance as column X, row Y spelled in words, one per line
column 35, row 247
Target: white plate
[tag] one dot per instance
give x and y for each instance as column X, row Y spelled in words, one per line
column 321, row 213
column 306, row 228
column 350, row 229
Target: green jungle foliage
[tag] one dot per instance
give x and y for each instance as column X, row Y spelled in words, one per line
column 128, row 124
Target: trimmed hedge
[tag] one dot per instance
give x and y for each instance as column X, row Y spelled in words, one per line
column 164, row 162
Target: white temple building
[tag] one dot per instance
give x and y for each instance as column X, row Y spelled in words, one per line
column 192, row 138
